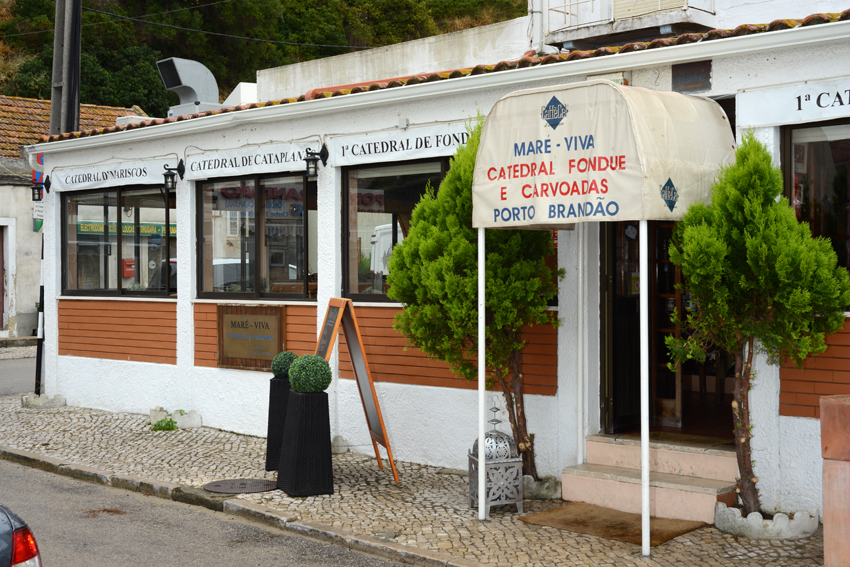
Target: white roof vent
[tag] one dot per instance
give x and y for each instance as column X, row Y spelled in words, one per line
column 193, row 82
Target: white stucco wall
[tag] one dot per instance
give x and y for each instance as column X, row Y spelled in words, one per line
column 430, row 425
column 22, row 254
column 425, row 424
column 733, row 13
column 493, row 43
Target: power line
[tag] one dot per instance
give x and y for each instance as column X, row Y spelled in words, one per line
column 120, row 17
column 113, row 21
column 223, row 34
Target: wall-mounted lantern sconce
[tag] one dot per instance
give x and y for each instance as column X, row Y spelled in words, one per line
column 312, row 158
column 170, row 175
column 37, row 187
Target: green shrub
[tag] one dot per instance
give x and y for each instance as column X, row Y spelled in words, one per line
column 166, row 424
column 281, row 363
column 310, row 373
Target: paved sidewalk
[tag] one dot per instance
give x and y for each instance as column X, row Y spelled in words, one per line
column 425, row 518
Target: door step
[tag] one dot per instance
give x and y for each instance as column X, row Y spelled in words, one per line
column 717, row 462
column 671, row 495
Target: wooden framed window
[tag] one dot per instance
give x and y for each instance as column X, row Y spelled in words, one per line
column 257, row 237
column 119, row 241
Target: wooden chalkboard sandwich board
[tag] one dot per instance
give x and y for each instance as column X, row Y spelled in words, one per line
column 341, row 311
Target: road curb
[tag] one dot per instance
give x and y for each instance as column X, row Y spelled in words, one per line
column 238, row 507
column 199, row 497
column 89, row 474
column 158, row 488
column 257, row 513
column 28, row 459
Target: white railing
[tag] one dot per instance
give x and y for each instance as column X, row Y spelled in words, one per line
column 568, row 14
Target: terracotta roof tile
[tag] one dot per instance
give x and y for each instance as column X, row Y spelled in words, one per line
column 528, row 59
column 631, row 47
column 689, row 38
column 777, row 25
column 748, row 29
column 603, row 51
column 25, row 121
column 816, row 19
column 661, row 42
column 717, row 34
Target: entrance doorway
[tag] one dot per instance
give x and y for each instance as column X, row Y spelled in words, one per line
column 3, row 272
column 690, row 403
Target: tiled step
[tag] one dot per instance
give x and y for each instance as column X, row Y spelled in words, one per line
column 671, row 458
column 671, row 495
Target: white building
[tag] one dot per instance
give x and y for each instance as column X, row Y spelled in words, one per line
column 126, row 349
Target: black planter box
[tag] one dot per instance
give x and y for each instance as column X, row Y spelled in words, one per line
column 278, row 401
column 306, row 467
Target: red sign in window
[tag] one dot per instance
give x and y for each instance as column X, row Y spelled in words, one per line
column 128, row 267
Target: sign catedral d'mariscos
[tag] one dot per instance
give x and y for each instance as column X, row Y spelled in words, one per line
column 560, row 156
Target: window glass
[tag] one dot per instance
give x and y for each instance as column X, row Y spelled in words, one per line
column 272, row 253
column 148, row 261
column 91, row 252
column 227, row 245
column 283, row 269
column 820, row 188
column 380, row 203
column 142, row 261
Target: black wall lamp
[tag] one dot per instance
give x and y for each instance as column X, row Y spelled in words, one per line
column 312, row 158
column 170, row 175
column 37, row 187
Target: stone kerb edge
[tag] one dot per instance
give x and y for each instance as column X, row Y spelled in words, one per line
column 754, row 526
column 29, row 459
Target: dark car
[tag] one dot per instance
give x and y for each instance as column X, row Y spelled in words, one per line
column 158, row 280
column 17, row 544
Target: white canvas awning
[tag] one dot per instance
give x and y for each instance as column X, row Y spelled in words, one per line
column 594, row 151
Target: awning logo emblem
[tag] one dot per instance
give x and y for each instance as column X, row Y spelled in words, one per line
column 554, row 112
column 670, row 194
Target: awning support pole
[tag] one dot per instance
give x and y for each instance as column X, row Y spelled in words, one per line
column 644, row 383
column 482, row 365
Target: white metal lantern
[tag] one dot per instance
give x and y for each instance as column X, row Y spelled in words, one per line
column 503, row 469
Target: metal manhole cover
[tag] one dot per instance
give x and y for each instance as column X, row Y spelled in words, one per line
column 240, row 486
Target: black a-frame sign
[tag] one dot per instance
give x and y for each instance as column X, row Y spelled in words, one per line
column 341, row 311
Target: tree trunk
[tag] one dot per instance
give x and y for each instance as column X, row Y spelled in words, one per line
column 515, row 404
column 741, row 417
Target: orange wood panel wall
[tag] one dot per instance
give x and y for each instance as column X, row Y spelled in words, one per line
column 827, row 374
column 142, row 331
column 206, row 335
column 301, row 328
column 389, row 362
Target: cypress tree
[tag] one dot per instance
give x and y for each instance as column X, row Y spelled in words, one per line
column 434, row 274
column 761, row 283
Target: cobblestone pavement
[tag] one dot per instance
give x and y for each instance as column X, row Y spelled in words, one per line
column 428, row 509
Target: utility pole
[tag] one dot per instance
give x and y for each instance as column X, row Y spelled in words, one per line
column 65, row 95
column 64, row 116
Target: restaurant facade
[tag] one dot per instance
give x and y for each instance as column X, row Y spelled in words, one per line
column 147, row 284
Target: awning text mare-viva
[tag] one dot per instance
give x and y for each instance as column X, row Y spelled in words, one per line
column 596, row 151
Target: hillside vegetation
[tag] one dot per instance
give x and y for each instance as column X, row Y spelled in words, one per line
column 119, row 54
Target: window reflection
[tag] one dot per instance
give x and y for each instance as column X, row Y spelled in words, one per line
column 380, row 205
column 820, row 188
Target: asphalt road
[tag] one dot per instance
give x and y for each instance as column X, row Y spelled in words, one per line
column 17, row 376
column 80, row 524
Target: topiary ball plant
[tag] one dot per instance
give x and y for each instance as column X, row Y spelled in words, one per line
column 310, row 373
column 282, row 362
